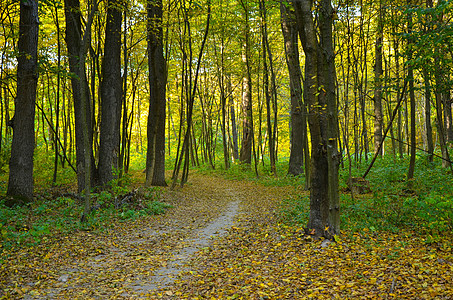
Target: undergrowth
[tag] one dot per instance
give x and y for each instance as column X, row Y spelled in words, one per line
column 57, row 210
column 424, row 205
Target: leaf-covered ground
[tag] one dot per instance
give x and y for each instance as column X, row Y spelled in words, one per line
column 253, row 255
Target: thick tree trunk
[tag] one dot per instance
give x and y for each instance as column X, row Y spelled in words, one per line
column 20, row 184
column 298, row 118
column 79, row 85
column 328, row 79
column 111, row 93
column 155, row 156
column 319, row 94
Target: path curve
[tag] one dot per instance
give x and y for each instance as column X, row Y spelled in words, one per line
column 146, row 257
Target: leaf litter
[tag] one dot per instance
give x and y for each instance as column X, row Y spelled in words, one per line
column 225, row 239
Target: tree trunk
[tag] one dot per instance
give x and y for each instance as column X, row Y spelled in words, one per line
column 267, row 88
column 378, row 73
column 410, row 78
column 428, row 126
column 448, row 114
column 319, row 94
column 298, row 119
column 223, row 100
column 57, row 98
column 246, row 105
column 20, row 184
column 155, row 156
column 111, row 93
column 439, row 115
column 234, row 131
column 79, row 84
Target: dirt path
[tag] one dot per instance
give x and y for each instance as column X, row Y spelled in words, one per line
column 222, row 240
column 145, row 258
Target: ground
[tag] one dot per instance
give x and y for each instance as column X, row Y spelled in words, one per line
column 225, row 239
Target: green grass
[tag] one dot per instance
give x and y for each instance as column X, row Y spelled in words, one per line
column 425, row 205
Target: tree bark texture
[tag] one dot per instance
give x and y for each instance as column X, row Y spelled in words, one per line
column 378, row 73
column 298, row 118
column 319, row 94
column 155, row 156
column 428, row 126
column 20, row 184
column 234, row 131
column 80, row 90
column 111, row 94
column 410, row 77
column 246, row 105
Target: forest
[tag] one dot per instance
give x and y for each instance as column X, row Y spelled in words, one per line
column 327, row 124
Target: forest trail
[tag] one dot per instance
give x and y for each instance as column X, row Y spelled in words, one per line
column 224, row 239
column 145, row 258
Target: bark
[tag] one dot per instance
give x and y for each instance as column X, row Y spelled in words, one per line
column 440, row 123
column 267, row 89
column 428, row 126
column 398, row 94
column 410, row 77
column 246, row 105
column 319, row 94
column 124, row 141
column 448, row 115
column 440, row 86
column 234, row 131
column 223, row 100
column 328, row 79
column 378, row 73
column 155, row 156
column 80, row 91
column 298, row 118
column 57, row 100
column 111, row 93
column 20, row 184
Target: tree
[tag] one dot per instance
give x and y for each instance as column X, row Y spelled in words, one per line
column 77, row 47
column 190, row 90
column 111, row 94
column 299, row 144
column 246, row 105
column 378, row 74
column 319, row 94
column 20, row 184
column 269, row 89
column 410, row 76
column 77, row 50
column 155, row 155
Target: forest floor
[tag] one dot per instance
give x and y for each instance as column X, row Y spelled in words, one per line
column 225, row 239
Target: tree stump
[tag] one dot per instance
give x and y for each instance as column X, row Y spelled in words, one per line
column 359, row 185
